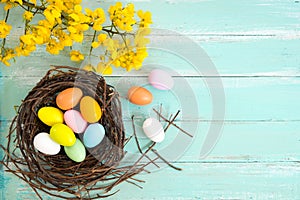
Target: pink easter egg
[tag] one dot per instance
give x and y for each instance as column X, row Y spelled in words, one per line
column 75, row 121
column 161, row 79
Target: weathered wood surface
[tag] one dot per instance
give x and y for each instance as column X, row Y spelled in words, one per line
column 255, row 47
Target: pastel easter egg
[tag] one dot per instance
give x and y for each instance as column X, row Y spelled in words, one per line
column 140, row 96
column 62, row 134
column 50, row 115
column 76, row 152
column 90, row 109
column 75, row 121
column 68, row 98
column 161, row 79
column 93, row 135
column 153, row 130
column 43, row 143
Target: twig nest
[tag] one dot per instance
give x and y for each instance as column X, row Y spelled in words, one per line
column 58, row 175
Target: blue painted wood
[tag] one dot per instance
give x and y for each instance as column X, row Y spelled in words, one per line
column 240, row 142
column 200, row 181
column 254, row 45
column 254, row 57
column 262, row 98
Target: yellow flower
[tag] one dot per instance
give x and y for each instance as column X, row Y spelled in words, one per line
column 140, row 40
column 95, row 45
column 45, row 23
column 131, row 59
column 64, row 38
column 104, row 69
column 97, row 18
column 145, row 18
column 123, row 18
column 97, row 26
column 89, row 67
column 28, row 15
column 53, row 14
column 77, row 37
column 54, row 47
column 101, row 38
column 8, row 55
column 28, row 39
column 33, row 1
column 111, row 45
column 58, row 3
column 41, row 34
column 24, row 50
column 76, row 56
column 18, row 1
column 4, row 29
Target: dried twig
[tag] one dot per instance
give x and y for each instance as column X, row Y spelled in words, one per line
column 172, row 123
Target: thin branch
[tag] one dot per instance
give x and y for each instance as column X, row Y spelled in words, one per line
column 138, row 144
column 168, row 163
column 172, row 123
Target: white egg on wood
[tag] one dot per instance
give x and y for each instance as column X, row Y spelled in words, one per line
column 154, row 130
column 44, row 144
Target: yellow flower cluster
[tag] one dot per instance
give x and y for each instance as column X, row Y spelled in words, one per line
column 65, row 23
column 122, row 17
column 4, row 29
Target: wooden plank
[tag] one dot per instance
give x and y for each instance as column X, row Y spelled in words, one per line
column 267, row 57
column 260, row 98
column 258, row 17
column 255, row 18
column 243, row 142
column 199, row 181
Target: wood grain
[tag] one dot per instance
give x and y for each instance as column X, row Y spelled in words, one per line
column 255, row 47
column 214, row 181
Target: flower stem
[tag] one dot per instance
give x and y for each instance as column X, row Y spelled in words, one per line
column 5, row 20
column 94, row 36
column 6, row 17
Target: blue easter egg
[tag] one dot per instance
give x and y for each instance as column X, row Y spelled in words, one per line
column 93, row 135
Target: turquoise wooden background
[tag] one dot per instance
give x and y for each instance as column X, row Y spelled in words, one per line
column 255, row 46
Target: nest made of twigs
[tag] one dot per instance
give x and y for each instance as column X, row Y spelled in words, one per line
column 57, row 175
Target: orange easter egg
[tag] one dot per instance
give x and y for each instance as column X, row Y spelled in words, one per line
column 90, row 109
column 140, row 96
column 68, row 98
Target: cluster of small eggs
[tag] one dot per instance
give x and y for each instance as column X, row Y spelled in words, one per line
column 161, row 80
column 65, row 124
column 65, row 120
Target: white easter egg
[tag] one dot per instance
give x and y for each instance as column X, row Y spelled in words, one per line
column 43, row 143
column 153, row 130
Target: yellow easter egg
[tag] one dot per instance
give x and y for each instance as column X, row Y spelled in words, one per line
column 90, row 109
column 63, row 135
column 50, row 115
